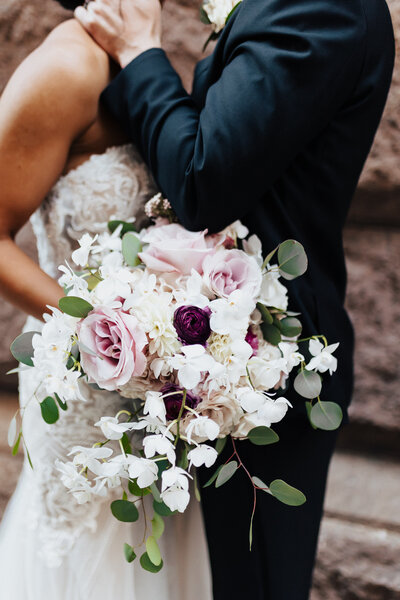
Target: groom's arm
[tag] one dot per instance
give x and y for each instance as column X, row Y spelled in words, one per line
column 289, row 67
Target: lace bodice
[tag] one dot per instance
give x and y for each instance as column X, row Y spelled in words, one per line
column 115, row 184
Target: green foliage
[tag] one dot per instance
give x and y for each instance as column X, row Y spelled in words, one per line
column 125, row 511
column 22, row 349
column 227, row 471
column 136, row 490
column 126, row 444
column 158, row 526
column 266, row 315
column 49, row 409
column 290, row 327
column 112, row 226
column 155, row 492
column 129, row 553
column 148, row 565
column 271, row 334
column 16, row 445
column 260, row 484
column 213, row 477
column 162, row 509
column 220, row 444
column 286, row 493
column 61, row 404
column 153, row 551
column 326, row 415
column 162, row 465
column 292, row 259
column 262, row 436
column 75, row 306
column 308, row 384
column 131, row 246
column 204, row 16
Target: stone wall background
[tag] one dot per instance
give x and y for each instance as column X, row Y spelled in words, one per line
column 361, row 532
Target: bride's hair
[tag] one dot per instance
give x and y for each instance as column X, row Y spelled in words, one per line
column 70, row 4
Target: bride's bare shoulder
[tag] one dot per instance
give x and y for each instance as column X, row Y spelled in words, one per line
column 63, row 76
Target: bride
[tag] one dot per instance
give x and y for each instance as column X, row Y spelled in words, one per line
column 66, row 165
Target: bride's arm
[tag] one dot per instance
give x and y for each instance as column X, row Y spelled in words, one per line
column 49, row 102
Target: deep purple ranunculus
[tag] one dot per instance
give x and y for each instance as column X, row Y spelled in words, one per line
column 192, row 324
column 173, row 402
column 252, row 339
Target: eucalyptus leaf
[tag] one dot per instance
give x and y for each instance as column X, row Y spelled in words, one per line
column 162, row 509
column 131, row 246
column 126, row 444
column 226, row 472
column 129, row 553
column 93, row 280
column 125, row 511
column 12, row 433
column 148, row 565
column 213, row 477
column 308, row 384
column 292, row 259
column 22, row 348
column 220, row 444
column 155, row 492
column 162, row 465
column 75, row 306
column 112, row 226
column 290, row 327
column 309, row 406
column 135, row 490
column 268, row 258
column 266, row 315
column 204, row 16
column 271, row 334
column 260, row 484
column 153, row 551
column 158, row 526
column 87, row 350
column 49, row 410
column 286, row 493
column 326, row 415
column 262, row 436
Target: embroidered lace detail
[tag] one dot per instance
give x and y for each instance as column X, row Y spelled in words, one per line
column 115, row 184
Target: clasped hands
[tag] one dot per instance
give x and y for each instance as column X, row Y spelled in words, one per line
column 123, row 28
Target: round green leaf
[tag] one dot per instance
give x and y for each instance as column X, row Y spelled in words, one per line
column 260, row 484
column 213, row 477
column 135, row 490
column 131, row 246
column 75, row 306
column 220, row 444
column 286, row 493
column 308, row 384
column 290, row 327
column 226, row 472
column 129, row 553
column 158, row 526
column 22, row 348
column 271, row 334
column 261, row 436
column 292, row 259
column 153, row 551
column 148, row 565
column 326, row 415
column 125, row 511
column 49, row 409
column 155, row 491
column 162, row 509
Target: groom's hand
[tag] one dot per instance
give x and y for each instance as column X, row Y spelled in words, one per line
column 123, row 28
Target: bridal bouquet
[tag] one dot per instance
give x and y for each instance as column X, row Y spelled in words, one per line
column 193, row 332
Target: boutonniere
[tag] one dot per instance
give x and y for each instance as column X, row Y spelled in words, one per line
column 217, row 14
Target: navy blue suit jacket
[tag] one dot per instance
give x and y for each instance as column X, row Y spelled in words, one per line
column 276, row 131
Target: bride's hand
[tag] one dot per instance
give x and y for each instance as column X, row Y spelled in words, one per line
column 123, row 28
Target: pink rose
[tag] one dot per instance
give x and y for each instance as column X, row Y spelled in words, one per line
column 174, row 249
column 116, row 341
column 230, row 270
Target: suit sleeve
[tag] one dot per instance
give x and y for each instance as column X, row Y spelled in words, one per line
column 288, row 67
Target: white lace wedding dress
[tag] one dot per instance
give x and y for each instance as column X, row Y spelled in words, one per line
column 51, row 547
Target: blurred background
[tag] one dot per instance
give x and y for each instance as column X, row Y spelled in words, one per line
column 359, row 550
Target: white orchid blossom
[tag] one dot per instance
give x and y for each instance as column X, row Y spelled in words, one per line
column 81, row 255
column 176, row 498
column 202, row 427
column 144, row 470
column 231, row 315
column 112, row 428
column 291, row 354
column 190, row 365
column 202, row 455
column 273, row 293
column 159, row 444
column 89, row 458
column 154, row 406
column 322, row 360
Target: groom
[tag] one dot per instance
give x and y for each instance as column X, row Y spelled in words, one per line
column 275, row 132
